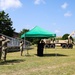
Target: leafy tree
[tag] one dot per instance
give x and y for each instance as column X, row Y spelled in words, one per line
column 6, row 24
column 23, row 31
column 65, row 36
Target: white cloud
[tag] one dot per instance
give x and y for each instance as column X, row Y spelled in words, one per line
column 57, row 31
column 6, row 4
column 64, row 6
column 68, row 14
column 37, row 2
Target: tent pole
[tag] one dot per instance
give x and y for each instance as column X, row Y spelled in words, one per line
column 25, row 45
column 55, row 49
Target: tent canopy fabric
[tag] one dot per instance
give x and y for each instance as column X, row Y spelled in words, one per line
column 38, row 32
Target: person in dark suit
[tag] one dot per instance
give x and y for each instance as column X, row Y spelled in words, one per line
column 40, row 48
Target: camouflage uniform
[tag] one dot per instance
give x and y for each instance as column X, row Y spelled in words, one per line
column 4, row 47
column 21, row 47
column 0, row 47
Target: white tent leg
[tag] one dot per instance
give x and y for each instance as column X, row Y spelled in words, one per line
column 25, row 47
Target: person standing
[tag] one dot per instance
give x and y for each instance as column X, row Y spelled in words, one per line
column 21, row 46
column 40, row 48
column 4, row 47
column 0, row 47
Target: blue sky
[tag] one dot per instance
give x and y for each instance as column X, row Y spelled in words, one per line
column 57, row 16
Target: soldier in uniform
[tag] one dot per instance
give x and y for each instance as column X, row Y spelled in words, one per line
column 4, row 47
column 0, row 46
column 70, row 42
column 21, row 46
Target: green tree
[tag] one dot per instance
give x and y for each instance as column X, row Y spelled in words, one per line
column 65, row 36
column 6, row 24
column 23, row 31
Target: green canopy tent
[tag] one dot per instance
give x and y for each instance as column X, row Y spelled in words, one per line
column 38, row 32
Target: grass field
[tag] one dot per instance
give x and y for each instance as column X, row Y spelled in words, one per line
column 56, row 61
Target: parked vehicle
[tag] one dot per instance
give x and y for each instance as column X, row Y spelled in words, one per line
column 51, row 43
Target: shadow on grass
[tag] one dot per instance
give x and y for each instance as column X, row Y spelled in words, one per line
column 55, row 54
column 52, row 55
column 29, row 48
column 7, row 62
column 25, row 49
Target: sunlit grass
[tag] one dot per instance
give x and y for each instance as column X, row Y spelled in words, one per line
column 56, row 61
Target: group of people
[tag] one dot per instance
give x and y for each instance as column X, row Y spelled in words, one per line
column 3, row 47
column 40, row 47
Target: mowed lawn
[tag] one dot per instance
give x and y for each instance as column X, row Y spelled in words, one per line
column 56, row 61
